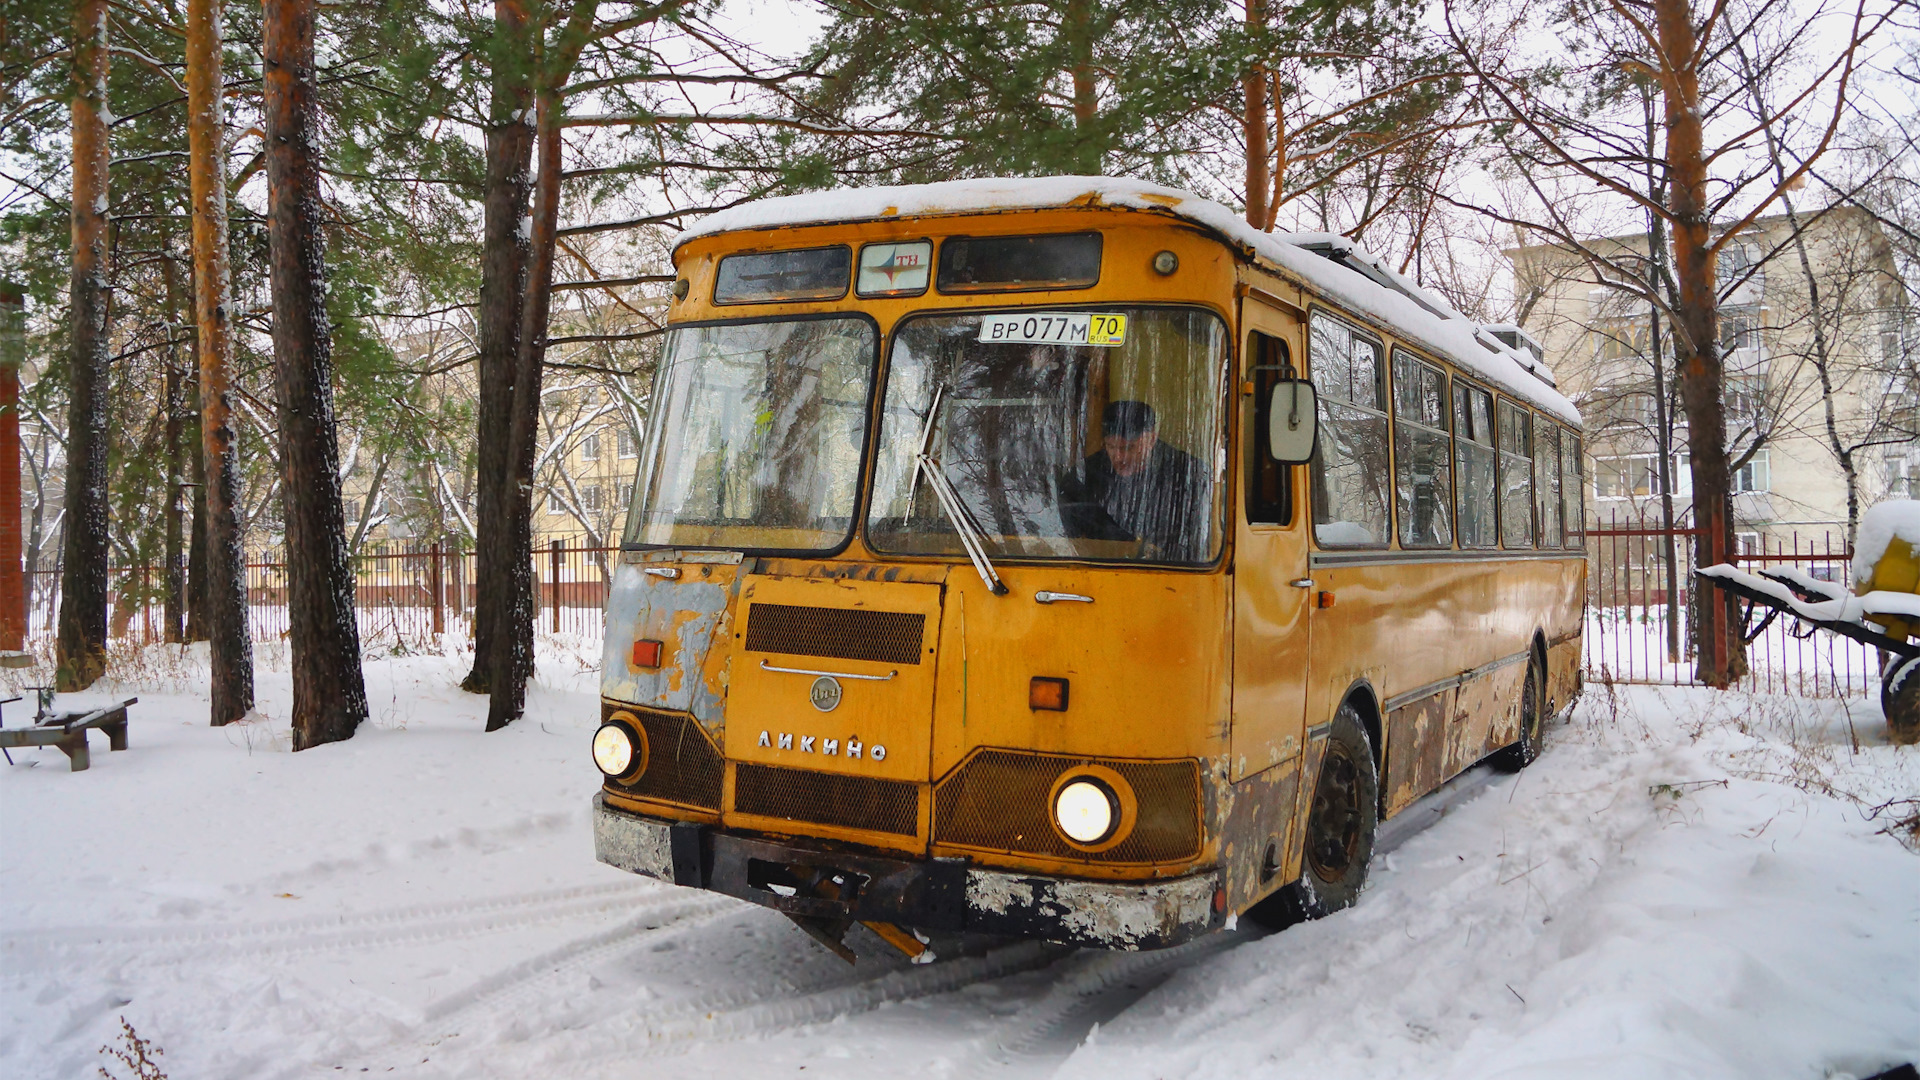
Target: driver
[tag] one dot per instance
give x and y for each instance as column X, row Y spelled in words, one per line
column 1136, row 487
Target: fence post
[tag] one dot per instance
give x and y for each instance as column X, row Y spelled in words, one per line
column 553, row 555
column 433, row 586
column 146, row 605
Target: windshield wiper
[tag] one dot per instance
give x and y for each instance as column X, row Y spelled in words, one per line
column 972, row 537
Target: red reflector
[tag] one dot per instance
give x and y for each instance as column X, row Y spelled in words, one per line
column 646, row 653
column 1219, row 900
column 1048, row 694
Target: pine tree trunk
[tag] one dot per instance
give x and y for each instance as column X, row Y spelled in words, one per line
column 513, row 641
column 197, row 619
column 173, row 579
column 217, row 572
column 329, row 695
column 1696, row 340
column 1088, row 142
column 82, row 639
column 13, row 582
column 1253, row 122
column 503, row 266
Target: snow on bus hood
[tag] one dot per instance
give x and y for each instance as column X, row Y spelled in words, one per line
column 1424, row 315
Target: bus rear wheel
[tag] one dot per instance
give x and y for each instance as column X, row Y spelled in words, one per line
column 1339, row 835
column 1900, row 700
column 1533, row 722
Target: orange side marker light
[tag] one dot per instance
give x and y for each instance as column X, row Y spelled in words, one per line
column 646, row 653
column 1047, row 694
column 1326, row 599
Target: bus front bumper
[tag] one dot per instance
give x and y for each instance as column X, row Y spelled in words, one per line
column 945, row 895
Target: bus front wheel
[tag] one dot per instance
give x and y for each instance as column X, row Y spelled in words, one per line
column 1533, row 722
column 1340, row 827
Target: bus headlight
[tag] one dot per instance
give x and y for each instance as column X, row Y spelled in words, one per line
column 619, row 750
column 1086, row 810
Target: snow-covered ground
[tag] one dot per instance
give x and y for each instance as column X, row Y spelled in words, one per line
column 1685, row 884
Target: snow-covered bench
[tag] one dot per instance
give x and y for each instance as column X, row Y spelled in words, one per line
column 68, row 731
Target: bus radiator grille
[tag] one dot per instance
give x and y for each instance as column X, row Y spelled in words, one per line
column 850, row 802
column 890, row 637
column 998, row 801
column 683, row 765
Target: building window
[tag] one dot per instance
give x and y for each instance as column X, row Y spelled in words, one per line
column 1746, row 398
column 1423, row 452
column 625, row 443
column 590, row 498
column 1474, row 466
column 590, row 447
column 1622, row 339
column 1755, row 475
column 1625, row 477
column 1739, row 329
column 1903, row 474
column 1350, row 471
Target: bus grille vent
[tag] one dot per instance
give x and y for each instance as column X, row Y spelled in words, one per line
column 683, row 765
column 998, row 801
column 891, row 637
column 850, row 802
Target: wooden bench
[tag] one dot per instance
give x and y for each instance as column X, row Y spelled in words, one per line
column 68, row 731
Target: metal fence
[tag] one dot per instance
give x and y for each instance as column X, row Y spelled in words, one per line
column 1639, row 606
column 1636, row 618
column 402, row 596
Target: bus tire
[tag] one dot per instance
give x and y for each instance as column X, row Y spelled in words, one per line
column 1900, row 700
column 1533, row 722
column 1339, row 834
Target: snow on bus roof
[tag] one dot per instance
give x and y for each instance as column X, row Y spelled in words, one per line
column 1330, row 264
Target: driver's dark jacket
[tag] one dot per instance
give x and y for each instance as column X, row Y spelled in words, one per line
column 1164, row 503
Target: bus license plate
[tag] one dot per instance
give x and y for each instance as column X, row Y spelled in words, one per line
column 1056, row 328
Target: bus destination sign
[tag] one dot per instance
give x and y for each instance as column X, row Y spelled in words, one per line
column 1055, row 328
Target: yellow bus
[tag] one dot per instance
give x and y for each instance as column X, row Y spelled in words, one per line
column 1063, row 558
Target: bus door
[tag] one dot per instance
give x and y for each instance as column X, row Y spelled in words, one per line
column 1271, row 597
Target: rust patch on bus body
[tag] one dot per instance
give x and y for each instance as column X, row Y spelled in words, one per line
column 688, row 615
column 1258, row 812
column 1418, row 738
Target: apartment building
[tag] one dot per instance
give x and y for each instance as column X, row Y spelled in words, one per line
column 1816, row 331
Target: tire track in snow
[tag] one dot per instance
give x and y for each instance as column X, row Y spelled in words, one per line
column 738, row 1014
column 414, row 924
column 1109, row 984
column 522, row 979
column 1104, row 986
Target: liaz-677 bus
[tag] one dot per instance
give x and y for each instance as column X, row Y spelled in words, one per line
column 1062, row 558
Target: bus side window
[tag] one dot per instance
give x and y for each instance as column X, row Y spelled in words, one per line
column 1351, row 475
column 1269, row 483
column 1573, row 486
column 1546, row 480
column 1423, row 471
column 1474, row 465
column 1516, row 476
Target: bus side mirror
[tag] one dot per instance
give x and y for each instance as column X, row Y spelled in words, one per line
column 1293, row 422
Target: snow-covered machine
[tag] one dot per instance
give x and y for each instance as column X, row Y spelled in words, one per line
column 1883, row 608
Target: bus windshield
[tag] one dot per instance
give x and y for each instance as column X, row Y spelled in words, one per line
column 1082, row 434
column 756, row 434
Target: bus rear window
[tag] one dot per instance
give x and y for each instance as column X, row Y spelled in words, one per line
column 1019, row 263
column 808, row 274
